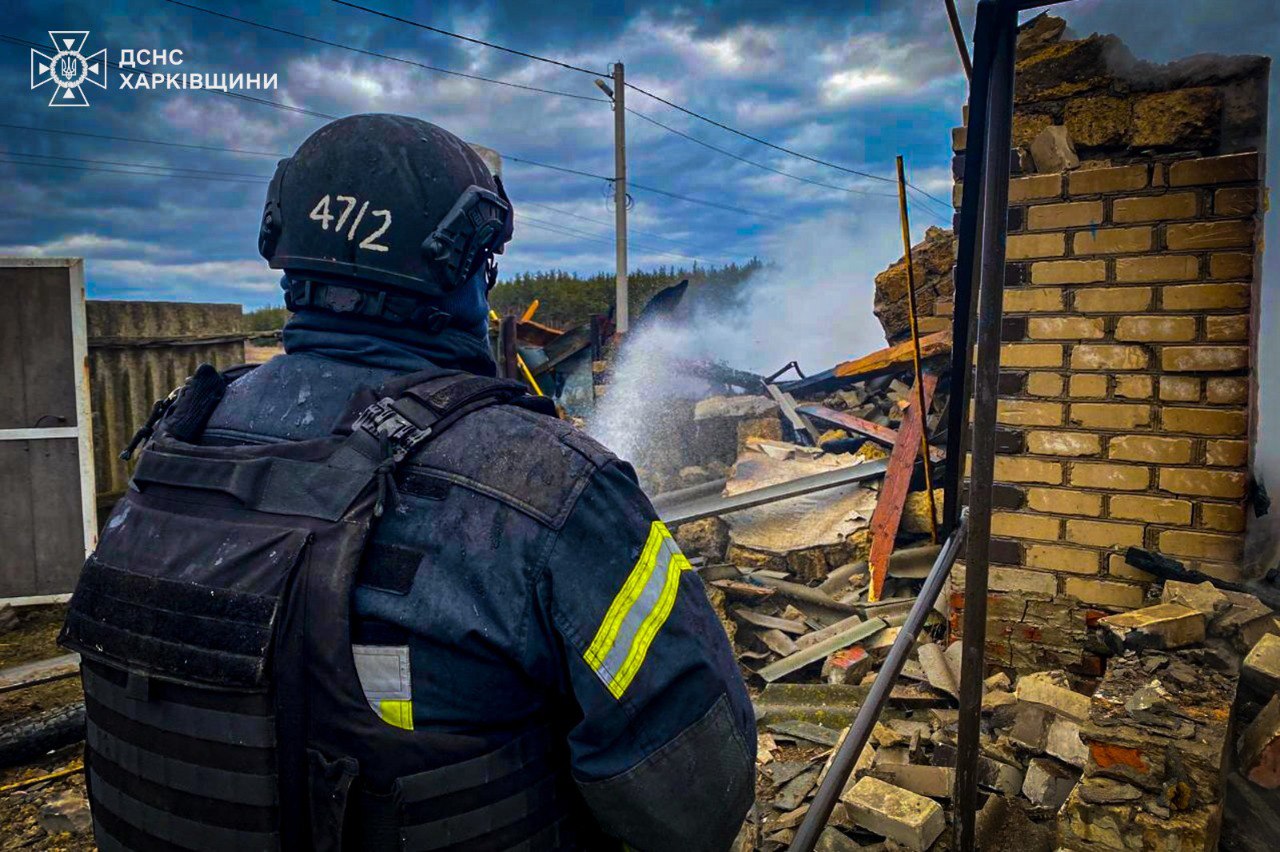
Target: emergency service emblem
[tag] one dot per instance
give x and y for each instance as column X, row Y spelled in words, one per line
column 68, row 68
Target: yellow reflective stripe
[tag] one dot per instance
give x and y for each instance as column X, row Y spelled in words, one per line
column 625, row 599
column 397, row 712
column 652, row 624
column 638, row 611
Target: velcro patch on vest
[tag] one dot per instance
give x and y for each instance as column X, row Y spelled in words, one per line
column 386, row 681
column 389, row 568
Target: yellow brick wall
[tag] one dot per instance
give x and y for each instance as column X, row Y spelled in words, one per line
column 1124, row 413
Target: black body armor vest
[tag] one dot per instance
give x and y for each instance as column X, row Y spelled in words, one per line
column 224, row 707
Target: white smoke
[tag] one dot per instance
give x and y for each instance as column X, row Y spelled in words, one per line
column 811, row 303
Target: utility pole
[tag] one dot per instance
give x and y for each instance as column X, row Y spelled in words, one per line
column 620, row 193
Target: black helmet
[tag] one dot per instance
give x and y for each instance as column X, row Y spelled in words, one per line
column 386, row 199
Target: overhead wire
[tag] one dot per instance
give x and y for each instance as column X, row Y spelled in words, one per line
column 209, row 178
column 527, row 219
column 658, row 98
column 630, row 228
column 209, row 172
column 387, row 56
column 926, row 205
column 769, row 144
column 138, row 139
column 470, row 39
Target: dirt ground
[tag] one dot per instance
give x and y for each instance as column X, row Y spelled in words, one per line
column 21, row 824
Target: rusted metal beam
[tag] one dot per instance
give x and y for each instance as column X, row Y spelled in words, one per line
column 880, row 434
column 897, row 482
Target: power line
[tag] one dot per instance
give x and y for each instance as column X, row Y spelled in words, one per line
column 767, row 143
column 526, row 219
column 139, row 140
column 795, row 177
column 631, row 230
column 729, row 207
column 207, row 172
column 125, row 172
column 472, row 40
column 386, row 56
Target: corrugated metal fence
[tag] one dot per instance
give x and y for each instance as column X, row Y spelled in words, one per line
column 138, row 353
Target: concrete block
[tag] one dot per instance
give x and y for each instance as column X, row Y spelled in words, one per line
column 1030, row 727
column 999, row 777
column 1049, row 783
column 1063, row 742
column 1052, row 691
column 1259, row 748
column 1202, row 597
column 936, row 782
column 1161, row 627
column 1262, row 663
column 902, row 816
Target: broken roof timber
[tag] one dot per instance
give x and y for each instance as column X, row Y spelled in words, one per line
column 874, row 431
column 878, row 363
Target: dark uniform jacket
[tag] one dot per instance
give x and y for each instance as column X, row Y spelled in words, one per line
column 521, row 577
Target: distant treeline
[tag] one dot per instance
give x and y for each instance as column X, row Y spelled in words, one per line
column 567, row 299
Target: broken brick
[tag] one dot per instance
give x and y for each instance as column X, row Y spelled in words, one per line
column 1262, row 663
column 1048, row 783
column 1162, row 627
column 1052, row 691
column 902, row 816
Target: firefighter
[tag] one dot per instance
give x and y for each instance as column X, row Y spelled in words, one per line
column 538, row 667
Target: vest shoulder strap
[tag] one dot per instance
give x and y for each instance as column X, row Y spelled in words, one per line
column 414, row 408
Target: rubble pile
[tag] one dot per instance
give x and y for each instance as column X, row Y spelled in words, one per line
column 1137, row 760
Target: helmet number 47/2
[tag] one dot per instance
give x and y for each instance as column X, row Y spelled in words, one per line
column 320, row 213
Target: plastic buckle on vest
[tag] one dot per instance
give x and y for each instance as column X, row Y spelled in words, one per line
column 384, row 422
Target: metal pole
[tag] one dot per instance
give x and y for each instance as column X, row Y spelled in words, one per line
column 958, row 33
column 999, row 122
column 966, row 271
column 856, row 739
column 620, row 193
column 915, row 342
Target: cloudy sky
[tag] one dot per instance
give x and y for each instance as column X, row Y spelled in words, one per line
column 850, row 83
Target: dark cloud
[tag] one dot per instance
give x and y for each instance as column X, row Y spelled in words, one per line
column 831, row 82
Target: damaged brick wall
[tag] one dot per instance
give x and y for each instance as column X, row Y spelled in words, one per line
column 1126, row 371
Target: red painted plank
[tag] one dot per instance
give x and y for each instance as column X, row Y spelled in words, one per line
column 893, row 491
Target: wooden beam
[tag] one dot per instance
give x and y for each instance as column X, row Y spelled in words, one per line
column 874, row 431
column 800, row 425
column 897, row 482
column 887, row 360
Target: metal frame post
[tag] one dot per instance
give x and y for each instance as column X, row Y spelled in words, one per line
column 1003, row 22
column 969, row 235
